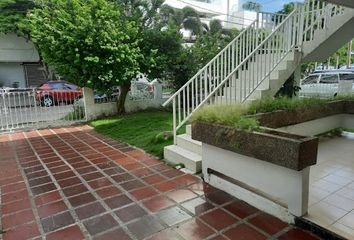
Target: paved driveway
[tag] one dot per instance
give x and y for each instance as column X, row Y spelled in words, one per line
column 72, row 183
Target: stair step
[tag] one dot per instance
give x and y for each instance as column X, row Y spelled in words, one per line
column 189, row 129
column 185, row 141
column 176, row 154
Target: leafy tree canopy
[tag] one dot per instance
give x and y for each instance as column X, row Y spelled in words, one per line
column 87, row 41
column 252, row 6
column 12, row 14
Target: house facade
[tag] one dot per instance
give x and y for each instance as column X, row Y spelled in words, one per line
column 19, row 63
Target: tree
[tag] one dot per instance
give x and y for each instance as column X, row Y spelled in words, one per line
column 12, row 14
column 89, row 42
column 199, row 54
column 287, row 8
column 252, row 6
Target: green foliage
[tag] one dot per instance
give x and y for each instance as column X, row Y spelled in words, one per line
column 12, row 14
column 287, row 8
column 215, row 26
column 289, row 88
column 233, row 116
column 87, row 41
column 252, row 6
column 143, row 130
column 270, row 105
column 193, row 58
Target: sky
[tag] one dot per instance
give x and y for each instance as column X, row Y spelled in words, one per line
column 271, row 5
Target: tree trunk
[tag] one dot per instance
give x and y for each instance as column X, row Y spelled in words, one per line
column 124, row 89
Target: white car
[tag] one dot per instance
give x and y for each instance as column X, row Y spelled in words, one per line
column 325, row 84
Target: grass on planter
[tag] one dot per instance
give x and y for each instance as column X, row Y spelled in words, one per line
column 270, row 105
column 146, row 130
column 240, row 115
column 229, row 115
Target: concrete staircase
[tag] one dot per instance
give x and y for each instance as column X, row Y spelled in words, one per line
column 187, row 151
column 312, row 32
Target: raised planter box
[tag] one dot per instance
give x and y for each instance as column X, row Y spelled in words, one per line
column 269, row 168
column 280, row 148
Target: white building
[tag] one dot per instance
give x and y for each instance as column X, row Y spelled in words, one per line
column 229, row 12
column 19, row 62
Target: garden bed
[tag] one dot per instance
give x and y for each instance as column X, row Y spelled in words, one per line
column 280, row 148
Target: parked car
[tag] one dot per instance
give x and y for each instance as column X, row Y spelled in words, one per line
column 324, row 83
column 56, row 92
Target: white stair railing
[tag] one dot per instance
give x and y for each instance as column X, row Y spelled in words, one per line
column 317, row 16
column 237, row 71
column 192, row 95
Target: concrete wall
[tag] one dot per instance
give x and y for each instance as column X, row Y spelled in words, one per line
column 97, row 110
column 276, row 190
column 321, row 125
column 11, row 73
column 17, row 49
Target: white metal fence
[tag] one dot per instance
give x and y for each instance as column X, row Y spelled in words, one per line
column 32, row 109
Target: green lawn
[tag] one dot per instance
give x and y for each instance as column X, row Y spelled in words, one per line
column 143, row 130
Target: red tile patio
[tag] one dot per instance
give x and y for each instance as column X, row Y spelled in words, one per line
column 73, row 183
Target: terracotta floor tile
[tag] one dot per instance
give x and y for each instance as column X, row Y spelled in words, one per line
column 69, row 182
column 16, row 206
column 154, row 179
column 81, row 199
column 244, row 232
column 55, row 222
column 69, row 233
column 241, row 209
column 75, row 190
column 131, row 185
column 173, row 216
column 202, row 188
column 268, row 223
column 108, row 191
column 188, row 208
column 181, row 195
column 158, row 203
column 295, row 234
column 165, row 235
column 214, row 217
column 197, row 206
column 172, row 173
column 117, row 201
column 142, row 172
column 100, row 183
column 19, row 218
column 122, row 178
column 166, row 186
column 186, row 180
column 22, row 232
column 145, row 227
column 143, row 193
column 51, row 209
column 14, row 196
column 92, row 176
column 100, row 224
column 194, row 229
column 130, row 213
column 114, row 234
column 89, row 210
column 219, row 197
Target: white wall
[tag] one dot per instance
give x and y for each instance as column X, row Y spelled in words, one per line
column 17, row 49
column 10, row 73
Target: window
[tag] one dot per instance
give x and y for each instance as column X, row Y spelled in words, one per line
column 71, row 87
column 329, row 78
column 310, row 79
column 347, row 76
column 56, row 86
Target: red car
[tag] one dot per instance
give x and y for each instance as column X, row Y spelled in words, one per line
column 56, row 92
